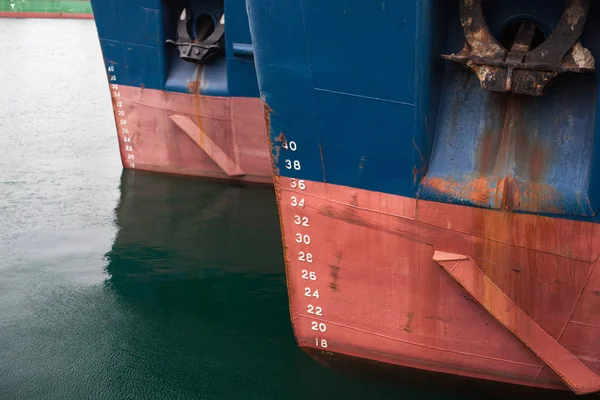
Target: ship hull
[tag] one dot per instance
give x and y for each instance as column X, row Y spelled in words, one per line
column 393, row 304
column 191, row 134
column 199, row 115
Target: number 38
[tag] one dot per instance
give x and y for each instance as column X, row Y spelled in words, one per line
column 295, row 164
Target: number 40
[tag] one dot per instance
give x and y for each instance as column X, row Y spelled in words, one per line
column 289, row 146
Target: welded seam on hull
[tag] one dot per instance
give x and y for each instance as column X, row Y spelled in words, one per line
column 455, row 265
column 576, row 303
column 236, row 148
column 507, row 325
column 419, row 344
column 584, row 324
column 360, row 96
column 312, row 85
column 128, row 44
column 587, row 281
column 167, row 109
column 353, row 206
column 439, row 227
column 259, row 179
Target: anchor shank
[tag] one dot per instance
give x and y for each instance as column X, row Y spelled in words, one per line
column 522, row 43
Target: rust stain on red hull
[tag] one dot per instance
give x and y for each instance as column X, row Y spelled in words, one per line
column 572, row 371
column 523, row 255
column 511, row 163
column 235, row 125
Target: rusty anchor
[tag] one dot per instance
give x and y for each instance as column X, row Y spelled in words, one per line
column 199, row 51
column 523, row 70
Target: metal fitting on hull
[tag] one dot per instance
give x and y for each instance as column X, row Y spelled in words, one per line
column 523, row 69
column 198, row 51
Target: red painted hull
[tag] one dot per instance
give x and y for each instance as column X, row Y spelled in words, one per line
column 227, row 138
column 383, row 298
column 31, row 14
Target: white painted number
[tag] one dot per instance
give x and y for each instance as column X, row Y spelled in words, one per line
column 305, row 257
column 291, row 146
column 295, row 164
column 309, row 275
column 315, row 326
column 302, row 238
column 321, row 343
column 315, row 310
column 301, row 220
column 308, row 293
column 298, row 184
column 121, row 115
column 296, row 203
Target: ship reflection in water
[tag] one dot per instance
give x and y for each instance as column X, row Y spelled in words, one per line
column 197, row 268
column 198, row 271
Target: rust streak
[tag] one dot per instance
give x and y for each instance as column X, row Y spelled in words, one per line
column 409, row 318
column 477, row 190
column 267, row 111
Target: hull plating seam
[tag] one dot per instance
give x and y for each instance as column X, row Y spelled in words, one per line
column 392, row 303
column 573, row 372
column 207, row 136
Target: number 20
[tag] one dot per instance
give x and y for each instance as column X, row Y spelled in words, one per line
column 318, row 327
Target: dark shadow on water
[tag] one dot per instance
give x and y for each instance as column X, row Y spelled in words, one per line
column 197, row 268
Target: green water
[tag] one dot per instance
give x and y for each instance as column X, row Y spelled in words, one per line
column 54, row 6
column 130, row 285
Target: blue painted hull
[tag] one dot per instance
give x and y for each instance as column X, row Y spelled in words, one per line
column 429, row 222
column 384, row 95
column 177, row 116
